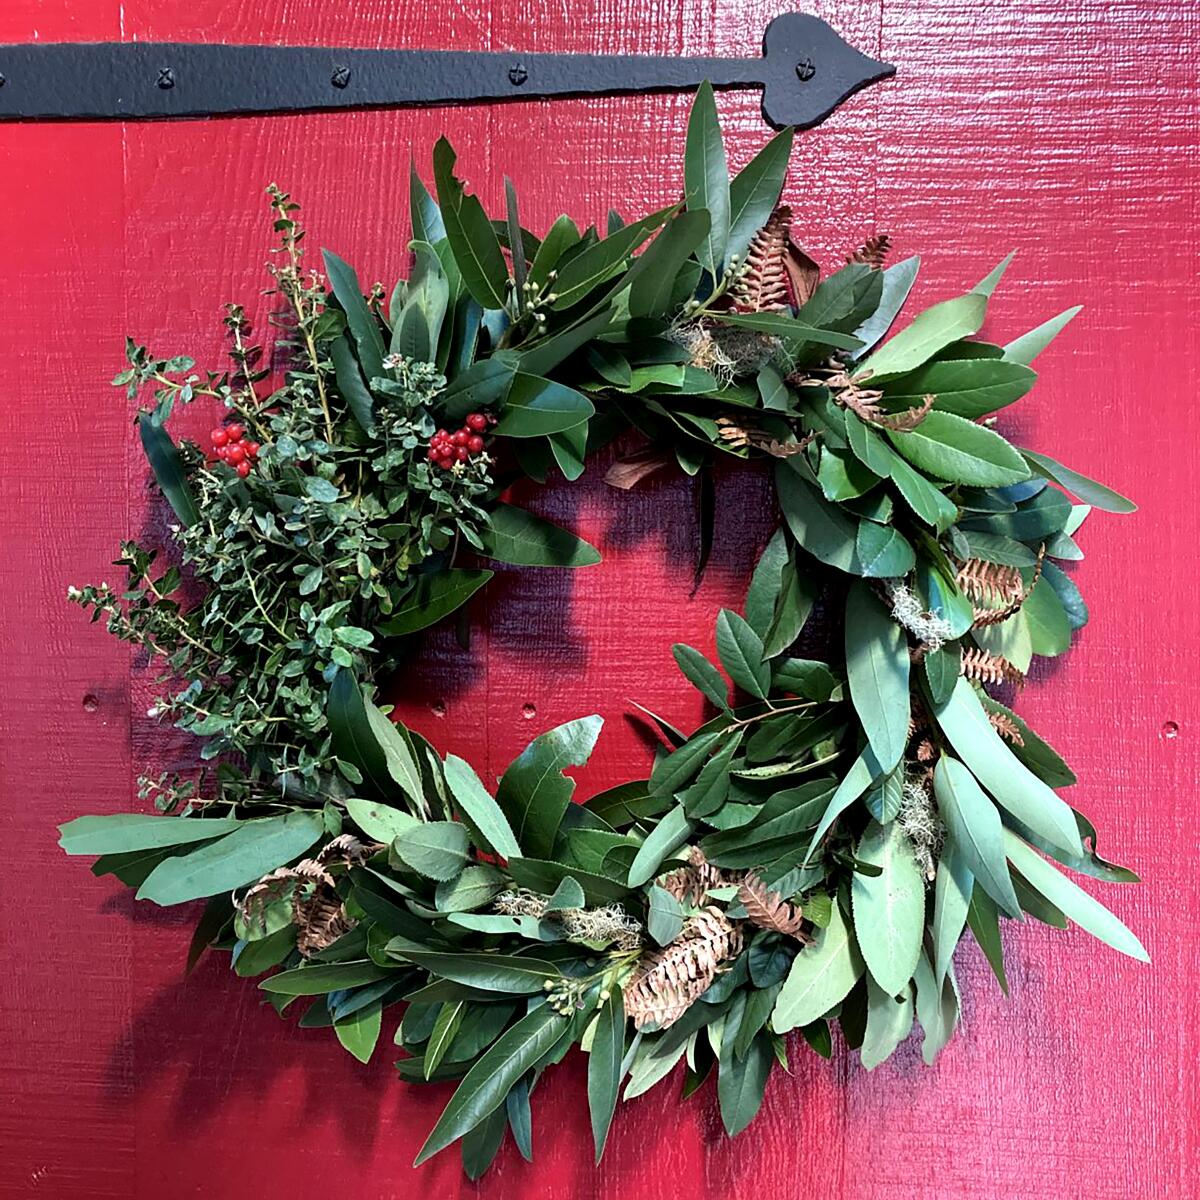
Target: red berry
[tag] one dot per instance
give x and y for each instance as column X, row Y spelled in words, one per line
column 252, row 449
column 460, row 438
column 477, row 422
column 462, row 454
column 441, row 433
column 446, row 458
column 219, row 436
column 433, row 454
column 475, row 444
column 235, row 432
column 235, row 454
column 243, row 469
column 221, row 452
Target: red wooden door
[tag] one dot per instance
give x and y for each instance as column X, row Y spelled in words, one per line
column 1064, row 128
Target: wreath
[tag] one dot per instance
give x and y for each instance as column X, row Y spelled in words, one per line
column 814, row 853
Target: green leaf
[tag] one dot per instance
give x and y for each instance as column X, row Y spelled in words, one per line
column 534, row 793
column 1088, row 490
column 821, row 976
column 921, row 496
column 823, row 529
column 984, row 921
column 951, row 900
column 120, row 833
column 541, row 876
column 968, row 387
column 603, row 260
column 241, row 857
column 877, row 669
column 471, row 235
column 487, row 1083
column 472, row 888
column 1046, row 619
column 861, row 775
column 1081, row 908
column 897, row 283
column 677, row 769
column 987, row 285
column 424, row 216
column 755, row 191
column 168, row 469
column 518, row 537
column 792, row 332
column 652, row 277
column 398, row 757
column 479, row 809
column 889, row 1022
column 883, row 552
column 435, row 596
column 566, row 896
column 449, row 1020
column 974, row 829
column 664, row 916
column 351, row 384
column 509, row 974
column 741, row 653
column 741, row 1083
column 359, row 1032
column 889, row 908
column 941, row 671
column 605, row 1060
column 671, row 832
column 1029, row 345
column 930, row 332
column 353, row 736
column 702, row 674
column 706, row 177
column 317, row 979
column 711, row 789
column 363, row 325
column 484, row 384
column 965, row 724
column 886, row 796
column 536, row 407
column 379, row 821
column 435, row 849
column 959, row 451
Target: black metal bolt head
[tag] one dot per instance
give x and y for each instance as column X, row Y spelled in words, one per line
column 3, row 81
column 166, row 78
column 805, row 69
column 517, row 74
column 340, row 77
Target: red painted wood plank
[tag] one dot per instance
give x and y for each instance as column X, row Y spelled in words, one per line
column 1067, row 130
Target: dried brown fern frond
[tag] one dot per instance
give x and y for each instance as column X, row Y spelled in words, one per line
column 762, row 282
column 864, row 402
column 990, row 583
column 690, row 884
column 983, row 667
column 667, row 982
column 741, row 435
column 1006, row 727
column 873, row 251
column 926, row 751
column 768, row 909
column 1011, row 583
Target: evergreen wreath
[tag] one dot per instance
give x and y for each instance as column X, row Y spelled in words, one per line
column 813, row 853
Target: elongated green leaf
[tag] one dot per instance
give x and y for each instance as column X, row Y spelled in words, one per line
column 862, row 774
column 664, row 916
column 790, row 330
column 536, row 407
column 238, row 858
column 604, row 1067
column 515, row 975
column 351, row 384
column 518, row 537
column 821, row 975
column 398, row 757
column 711, row 789
column 1074, row 902
column 959, row 451
column 987, row 285
column 354, row 739
column 677, row 769
column 472, row 236
column 897, row 283
column 883, row 552
column 449, row 1018
column 120, row 833
column 435, row 849
column 488, row 1082
column 168, row 469
column 479, row 809
column 319, row 978
column 379, row 821
column 974, row 829
column 742, row 1081
column 755, row 190
column 702, row 674
column 741, row 652
column 1088, row 490
column 602, row 261
column 951, row 900
column 889, row 908
column 1015, row 788
column 671, row 832
column 984, row 920
column 706, row 177
column 969, row 387
column 484, row 384
column 652, row 277
column 359, row 1032
column 362, row 322
column 921, row 496
column 877, row 669
column 435, row 596
column 472, row 888
column 424, row 216
column 1029, row 345
column 889, row 1022
column 534, row 793
column 930, row 332
column 821, row 528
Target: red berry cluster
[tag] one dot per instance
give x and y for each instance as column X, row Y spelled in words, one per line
column 231, row 447
column 445, row 449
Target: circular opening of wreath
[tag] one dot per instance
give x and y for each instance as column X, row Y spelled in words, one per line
column 812, row 854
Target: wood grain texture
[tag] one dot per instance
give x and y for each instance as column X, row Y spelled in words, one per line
column 1064, row 128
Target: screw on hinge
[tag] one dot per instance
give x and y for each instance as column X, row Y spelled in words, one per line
column 517, row 74
column 805, row 69
column 3, row 81
column 166, row 78
column 340, row 77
